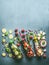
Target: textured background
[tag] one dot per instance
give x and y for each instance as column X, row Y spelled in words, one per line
column 28, row 14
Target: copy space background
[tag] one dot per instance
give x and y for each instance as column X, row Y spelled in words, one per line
column 28, row 14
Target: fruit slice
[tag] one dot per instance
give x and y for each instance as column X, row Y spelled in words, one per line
column 3, row 40
column 19, row 56
column 3, row 54
column 10, row 36
column 43, row 43
column 3, row 30
column 8, row 50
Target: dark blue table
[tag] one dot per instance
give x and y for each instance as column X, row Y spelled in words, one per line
column 28, row 14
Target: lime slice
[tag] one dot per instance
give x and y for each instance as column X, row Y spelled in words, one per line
column 8, row 50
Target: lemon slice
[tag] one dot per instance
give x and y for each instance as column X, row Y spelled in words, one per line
column 10, row 36
column 16, row 53
column 3, row 40
column 3, row 30
column 19, row 57
column 3, row 54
